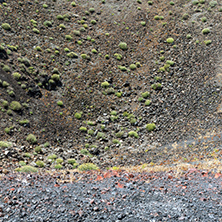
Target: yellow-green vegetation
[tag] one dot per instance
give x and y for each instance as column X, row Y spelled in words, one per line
column 40, row 163
column 78, row 115
column 87, row 166
column 58, row 166
column 16, row 75
column 150, row 127
column 27, row 169
column 52, row 157
column 60, row 103
column 105, row 84
column 170, row 40
column 71, row 161
column 133, row 134
column 83, row 129
column 59, row 160
column 4, row 144
column 6, row 26
column 123, row 45
column 15, row 106
column 31, row 138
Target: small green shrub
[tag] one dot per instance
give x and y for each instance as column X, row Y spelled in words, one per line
column 207, row 42
column 115, row 141
column 46, row 144
column 212, row 3
column 123, row 45
column 45, row 6
column 147, row 102
column 143, row 23
column 91, row 10
column 27, row 169
column 5, row 103
column 58, row 166
column 25, row 121
column 4, row 144
column 68, row 37
column 72, row 55
column 73, row 4
column 93, row 22
column 195, row 2
column 133, row 134
column 94, row 51
column 15, row 106
column 78, row 115
column 47, row 23
column 105, row 84
column 7, row 130
column 40, row 163
column 91, row 123
column 156, row 86
column 60, row 103
column 170, row 40
column 52, row 157
column 35, row 30
column 6, row 68
column 31, row 139
column 22, row 163
column 90, row 132
column 71, row 161
column 83, row 129
column 132, row 66
column 16, row 75
column 59, row 160
column 206, row 31
column 87, row 166
column 185, row 16
column 5, row 84
column 145, row 94
column 6, row 26
column 150, row 127
column 38, row 149
column 204, row 19
column 118, row 56
column 156, row 17
column 59, row 17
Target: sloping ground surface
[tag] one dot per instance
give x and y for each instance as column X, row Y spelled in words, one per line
column 113, row 196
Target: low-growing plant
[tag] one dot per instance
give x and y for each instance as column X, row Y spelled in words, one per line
column 24, row 121
column 147, row 102
column 87, row 166
column 4, row 144
column 150, row 127
column 59, row 160
column 115, row 141
column 206, row 31
column 22, row 163
column 170, row 40
column 58, row 166
column 40, row 163
column 83, row 129
column 6, row 26
column 207, row 42
column 60, row 103
column 31, row 138
column 15, row 106
column 72, row 55
column 132, row 66
column 133, row 134
column 145, row 94
column 27, row 169
column 16, row 75
column 78, row 115
column 123, row 45
column 52, row 157
column 71, row 161
column 35, row 30
column 38, row 149
column 105, row 84
column 68, row 37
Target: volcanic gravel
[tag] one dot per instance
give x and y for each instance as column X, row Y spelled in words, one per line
column 112, row 196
